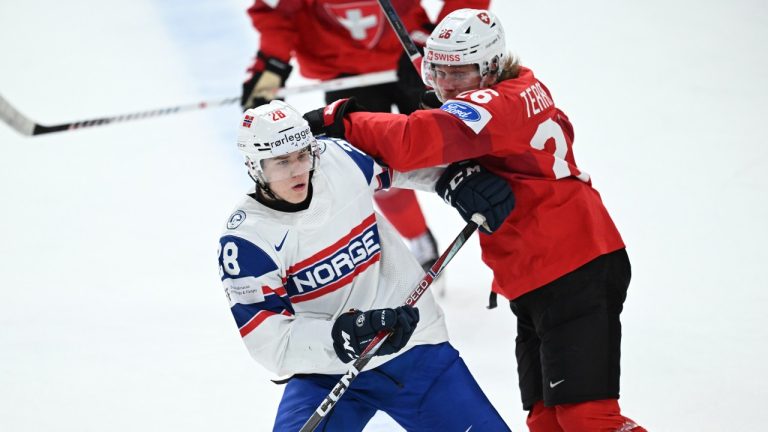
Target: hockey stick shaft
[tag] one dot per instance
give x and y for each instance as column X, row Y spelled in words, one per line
column 363, row 80
column 27, row 127
column 373, row 346
column 402, row 34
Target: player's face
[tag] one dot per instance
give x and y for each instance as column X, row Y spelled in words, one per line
column 452, row 80
column 288, row 175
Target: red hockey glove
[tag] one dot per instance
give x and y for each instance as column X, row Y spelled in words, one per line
column 330, row 120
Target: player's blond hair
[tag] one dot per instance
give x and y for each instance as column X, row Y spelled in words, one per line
column 511, row 68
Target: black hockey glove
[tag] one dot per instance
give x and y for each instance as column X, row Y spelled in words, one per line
column 409, row 80
column 471, row 189
column 268, row 75
column 330, row 120
column 429, row 100
column 353, row 330
column 409, row 84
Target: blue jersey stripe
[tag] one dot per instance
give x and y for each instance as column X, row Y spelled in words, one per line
column 244, row 312
column 385, row 179
column 363, row 161
column 240, row 258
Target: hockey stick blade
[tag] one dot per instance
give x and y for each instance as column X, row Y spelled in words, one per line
column 27, row 127
column 15, row 119
column 374, row 345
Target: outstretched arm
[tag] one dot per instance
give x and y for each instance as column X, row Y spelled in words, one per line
column 426, row 138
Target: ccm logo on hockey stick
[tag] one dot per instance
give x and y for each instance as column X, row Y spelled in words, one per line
column 337, row 391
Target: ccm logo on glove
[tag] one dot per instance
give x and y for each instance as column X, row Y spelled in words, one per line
column 470, row 189
column 354, row 330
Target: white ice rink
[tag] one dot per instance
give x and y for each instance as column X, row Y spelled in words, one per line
column 112, row 316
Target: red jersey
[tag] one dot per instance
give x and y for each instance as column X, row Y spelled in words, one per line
column 515, row 131
column 334, row 37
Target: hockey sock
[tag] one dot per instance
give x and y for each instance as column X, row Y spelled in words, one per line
column 594, row 416
column 542, row 419
column 402, row 210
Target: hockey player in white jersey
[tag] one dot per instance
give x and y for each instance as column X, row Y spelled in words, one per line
column 312, row 273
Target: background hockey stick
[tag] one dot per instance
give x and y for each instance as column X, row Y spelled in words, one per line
column 373, row 346
column 402, row 34
column 25, row 126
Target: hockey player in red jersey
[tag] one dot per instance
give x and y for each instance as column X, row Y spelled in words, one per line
column 335, row 38
column 558, row 257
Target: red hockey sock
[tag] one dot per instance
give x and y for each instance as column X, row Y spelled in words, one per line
column 402, row 210
column 542, row 419
column 594, row 416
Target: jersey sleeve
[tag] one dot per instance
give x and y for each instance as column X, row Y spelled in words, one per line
column 420, row 179
column 451, row 5
column 277, row 29
column 422, row 139
column 420, row 18
column 274, row 336
column 381, row 177
column 514, row 126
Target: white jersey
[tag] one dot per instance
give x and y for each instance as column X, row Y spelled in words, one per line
column 289, row 275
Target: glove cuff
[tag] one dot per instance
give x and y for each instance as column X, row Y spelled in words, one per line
column 333, row 115
column 274, row 65
column 332, row 111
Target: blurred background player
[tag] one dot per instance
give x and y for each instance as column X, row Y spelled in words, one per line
column 558, row 257
column 337, row 38
column 312, row 273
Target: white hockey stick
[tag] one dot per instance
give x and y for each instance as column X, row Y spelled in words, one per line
column 364, row 80
column 25, row 126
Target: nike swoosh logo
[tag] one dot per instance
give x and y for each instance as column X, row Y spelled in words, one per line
column 280, row 246
column 555, row 384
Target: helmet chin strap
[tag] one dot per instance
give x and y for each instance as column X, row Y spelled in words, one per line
column 488, row 80
column 265, row 191
column 494, row 72
column 263, row 188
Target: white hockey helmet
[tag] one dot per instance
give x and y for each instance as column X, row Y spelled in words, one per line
column 275, row 130
column 465, row 36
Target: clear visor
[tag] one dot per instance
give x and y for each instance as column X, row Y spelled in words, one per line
column 455, row 74
column 448, row 81
column 289, row 165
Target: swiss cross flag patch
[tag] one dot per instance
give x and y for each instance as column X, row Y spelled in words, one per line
column 362, row 19
column 247, row 121
column 482, row 16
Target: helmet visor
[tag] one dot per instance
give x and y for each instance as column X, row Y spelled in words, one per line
column 450, row 81
column 289, row 165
